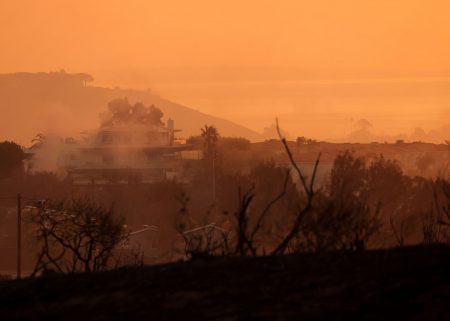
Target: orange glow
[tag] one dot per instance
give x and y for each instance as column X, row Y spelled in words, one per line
column 250, row 61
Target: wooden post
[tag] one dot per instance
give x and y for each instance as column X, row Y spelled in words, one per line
column 19, row 235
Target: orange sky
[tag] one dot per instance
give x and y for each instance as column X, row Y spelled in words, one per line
column 172, row 46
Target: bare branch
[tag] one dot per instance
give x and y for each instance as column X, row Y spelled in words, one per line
column 269, row 206
column 309, row 191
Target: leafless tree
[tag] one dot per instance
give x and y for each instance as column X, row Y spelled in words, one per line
column 241, row 240
column 247, row 233
column 443, row 202
column 244, row 244
column 431, row 229
column 308, row 190
column 244, row 240
column 75, row 236
column 436, row 222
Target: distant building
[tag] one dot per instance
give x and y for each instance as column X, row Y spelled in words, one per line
column 124, row 154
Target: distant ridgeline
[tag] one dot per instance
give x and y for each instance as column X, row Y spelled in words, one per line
column 38, row 99
column 53, row 78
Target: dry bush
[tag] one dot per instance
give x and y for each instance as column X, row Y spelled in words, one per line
column 125, row 255
column 201, row 241
column 206, row 241
column 342, row 217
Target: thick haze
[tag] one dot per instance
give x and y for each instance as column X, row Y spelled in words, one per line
column 314, row 64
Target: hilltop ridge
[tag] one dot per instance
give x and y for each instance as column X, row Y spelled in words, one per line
column 63, row 102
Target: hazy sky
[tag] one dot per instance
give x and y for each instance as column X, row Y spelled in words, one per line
column 223, row 57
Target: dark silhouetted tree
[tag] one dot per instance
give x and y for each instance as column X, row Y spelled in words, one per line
column 121, row 112
column 75, row 236
column 210, row 137
column 11, row 157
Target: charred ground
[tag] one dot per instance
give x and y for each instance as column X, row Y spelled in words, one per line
column 410, row 283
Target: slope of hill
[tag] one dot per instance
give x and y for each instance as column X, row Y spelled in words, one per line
column 400, row 284
column 65, row 104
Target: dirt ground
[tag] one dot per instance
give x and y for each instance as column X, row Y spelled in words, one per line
column 401, row 284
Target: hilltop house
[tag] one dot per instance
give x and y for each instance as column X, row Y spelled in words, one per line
column 119, row 153
column 127, row 153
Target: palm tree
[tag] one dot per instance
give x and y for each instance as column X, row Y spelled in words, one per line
column 210, row 136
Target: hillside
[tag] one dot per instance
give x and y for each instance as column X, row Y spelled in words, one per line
column 400, row 284
column 67, row 104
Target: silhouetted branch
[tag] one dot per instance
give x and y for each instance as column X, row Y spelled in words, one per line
column 243, row 242
column 269, row 206
column 309, row 191
column 397, row 234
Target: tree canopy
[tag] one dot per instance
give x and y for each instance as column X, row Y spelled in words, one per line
column 11, row 157
column 121, row 112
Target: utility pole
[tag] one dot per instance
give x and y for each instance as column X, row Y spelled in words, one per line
column 19, row 235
